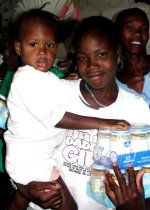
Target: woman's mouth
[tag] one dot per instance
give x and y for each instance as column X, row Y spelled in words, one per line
column 136, row 43
column 96, row 75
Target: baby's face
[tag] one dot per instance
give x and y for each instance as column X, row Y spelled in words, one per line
column 38, row 46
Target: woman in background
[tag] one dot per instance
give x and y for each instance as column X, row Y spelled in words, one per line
column 132, row 27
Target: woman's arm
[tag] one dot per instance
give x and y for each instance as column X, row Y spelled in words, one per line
column 18, row 202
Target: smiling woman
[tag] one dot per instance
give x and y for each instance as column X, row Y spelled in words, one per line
column 133, row 33
column 97, row 65
column 95, row 43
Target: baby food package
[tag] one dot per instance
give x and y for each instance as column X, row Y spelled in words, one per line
column 129, row 147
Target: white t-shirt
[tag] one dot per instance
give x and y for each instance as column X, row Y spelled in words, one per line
column 37, row 102
column 76, row 152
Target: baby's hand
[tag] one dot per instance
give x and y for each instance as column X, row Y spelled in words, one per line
column 112, row 124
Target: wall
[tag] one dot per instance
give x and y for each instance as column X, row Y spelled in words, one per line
column 106, row 8
column 6, row 9
column 87, row 7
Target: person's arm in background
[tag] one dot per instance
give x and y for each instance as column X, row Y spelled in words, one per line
column 126, row 196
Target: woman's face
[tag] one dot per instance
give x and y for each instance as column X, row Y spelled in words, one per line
column 134, row 34
column 38, row 46
column 96, row 60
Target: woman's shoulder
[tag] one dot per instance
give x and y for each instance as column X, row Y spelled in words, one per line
column 147, row 83
column 129, row 95
column 126, row 88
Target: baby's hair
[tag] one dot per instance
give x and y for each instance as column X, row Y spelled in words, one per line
column 34, row 15
column 126, row 13
column 98, row 24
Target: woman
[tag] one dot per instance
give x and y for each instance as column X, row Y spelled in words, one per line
column 132, row 27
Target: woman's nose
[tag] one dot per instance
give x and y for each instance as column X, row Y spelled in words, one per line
column 92, row 63
column 137, row 31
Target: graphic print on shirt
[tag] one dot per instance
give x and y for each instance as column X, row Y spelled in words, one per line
column 77, row 152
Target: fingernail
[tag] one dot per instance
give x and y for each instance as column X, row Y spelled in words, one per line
column 129, row 166
column 114, row 164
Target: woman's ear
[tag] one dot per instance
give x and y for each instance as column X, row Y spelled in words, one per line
column 17, row 48
column 119, row 51
column 120, row 58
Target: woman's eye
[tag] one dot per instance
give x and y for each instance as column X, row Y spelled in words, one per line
column 102, row 54
column 81, row 58
column 144, row 29
column 129, row 27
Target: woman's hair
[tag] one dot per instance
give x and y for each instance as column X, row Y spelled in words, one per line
column 21, row 23
column 136, row 12
column 97, row 24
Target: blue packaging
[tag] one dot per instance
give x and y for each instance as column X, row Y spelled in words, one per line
column 130, row 147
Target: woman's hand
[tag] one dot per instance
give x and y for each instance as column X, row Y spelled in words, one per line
column 72, row 76
column 126, row 196
column 44, row 194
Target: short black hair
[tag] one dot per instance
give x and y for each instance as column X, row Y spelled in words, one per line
column 124, row 14
column 34, row 14
column 98, row 24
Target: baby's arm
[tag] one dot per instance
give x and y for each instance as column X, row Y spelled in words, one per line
column 73, row 121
